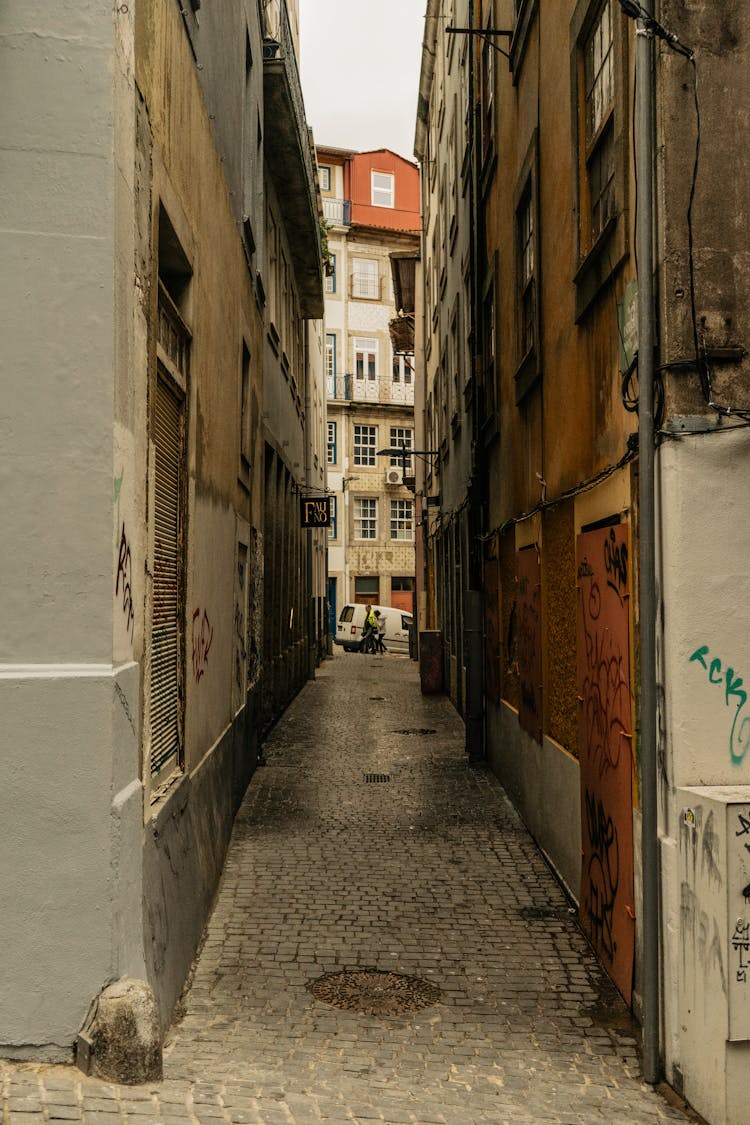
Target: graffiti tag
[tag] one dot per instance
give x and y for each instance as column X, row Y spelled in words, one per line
column 203, row 635
column 739, row 738
column 124, row 577
column 603, row 872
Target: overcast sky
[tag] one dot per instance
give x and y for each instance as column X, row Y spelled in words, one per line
column 360, row 64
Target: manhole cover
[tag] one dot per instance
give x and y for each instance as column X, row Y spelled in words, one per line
column 375, row 992
column 415, row 730
column 374, row 778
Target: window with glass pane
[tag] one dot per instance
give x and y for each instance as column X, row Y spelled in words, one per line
column 333, row 526
column 365, row 438
column 330, row 278
column 402, row 369
column 382, row 189
column 527, row 311
column 325, row 178
column 402, row 519
column 365, row 358
column 365, row 281
column 599, row 90
column 365, row 517
column 400, row 438
column 330, row 354
column 331, row 454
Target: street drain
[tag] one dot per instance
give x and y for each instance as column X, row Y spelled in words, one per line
column 545, row 913
column 415, row 730
column 374, row 992
column 374, row 778
column 377, row 699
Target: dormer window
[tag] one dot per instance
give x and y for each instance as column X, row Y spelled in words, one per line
column 383, row 189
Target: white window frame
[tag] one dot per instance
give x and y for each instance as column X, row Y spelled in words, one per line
column 331, row 444
column 366, row 278
column 365, row 445
column 399, row 434
column 383, row 193
column 367, row 347
column 325, row 177
column 402, row 520
column 365, row 517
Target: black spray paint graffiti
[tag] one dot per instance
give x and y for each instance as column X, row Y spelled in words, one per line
column 203, row 635
column 603, row 874
column 605, row 695
column 124, row 576
column 125, row 706
column 616, row 564
column 702, row 932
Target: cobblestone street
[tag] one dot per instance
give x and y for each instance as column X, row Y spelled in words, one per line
column 368, row 842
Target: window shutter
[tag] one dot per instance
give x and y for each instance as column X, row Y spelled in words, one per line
column 165, row 711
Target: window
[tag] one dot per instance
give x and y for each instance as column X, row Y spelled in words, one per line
column 525, row 221
column 599, row 102
column 365, row 359
column 333, row 526
column 331, row 450
column 599, row 46
column 330, row 355
column 365, row 517
column 383, row 189
column 402, row 519
column 528, row 354
column 330, row 277
column 403, row 368
column 367, row 589
column 365, row 280
column 489, row 347
column 365, row 439
column 400, row 438
column 487, row 92
column 325, row 178
column 525, row 10
column 245, row 436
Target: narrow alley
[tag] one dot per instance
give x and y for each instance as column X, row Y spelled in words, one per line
column 366, row 842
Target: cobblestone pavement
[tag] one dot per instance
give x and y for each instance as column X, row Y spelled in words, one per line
column 429, row 873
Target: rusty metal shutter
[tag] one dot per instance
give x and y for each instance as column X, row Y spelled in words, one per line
column 166, row 641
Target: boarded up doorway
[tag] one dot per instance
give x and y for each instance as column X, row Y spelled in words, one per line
column 605, row 742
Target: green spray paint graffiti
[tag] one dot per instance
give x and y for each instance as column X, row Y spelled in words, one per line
column 739, row 740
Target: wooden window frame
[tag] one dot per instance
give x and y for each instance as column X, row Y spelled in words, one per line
column 527, row 288
column 598, row 260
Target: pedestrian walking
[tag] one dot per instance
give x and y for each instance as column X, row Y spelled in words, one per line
column 369, row 630
column 381, row 631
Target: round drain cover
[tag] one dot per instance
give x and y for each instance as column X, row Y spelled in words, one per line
column 375, row 992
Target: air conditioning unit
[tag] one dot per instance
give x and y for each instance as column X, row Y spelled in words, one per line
column 394, row 476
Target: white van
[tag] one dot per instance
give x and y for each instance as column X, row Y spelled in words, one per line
column 352, row 617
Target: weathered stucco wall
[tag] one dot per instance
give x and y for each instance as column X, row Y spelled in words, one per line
column 71, row 802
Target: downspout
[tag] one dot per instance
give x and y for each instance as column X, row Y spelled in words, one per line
column 647, row 544
column 311, row 639
column 474, row 617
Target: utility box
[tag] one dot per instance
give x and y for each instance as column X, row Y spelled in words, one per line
column 714, row 844
column 431, row 661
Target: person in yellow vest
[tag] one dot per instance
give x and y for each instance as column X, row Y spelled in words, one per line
column 369, row 630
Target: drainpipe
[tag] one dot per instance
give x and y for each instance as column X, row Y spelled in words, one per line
column 308, row 436
column 473, row 615
column 647, row 548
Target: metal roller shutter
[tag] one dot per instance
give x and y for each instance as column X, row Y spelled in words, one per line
column 165, row 725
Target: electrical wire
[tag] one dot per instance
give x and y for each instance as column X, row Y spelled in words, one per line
column 568, row 494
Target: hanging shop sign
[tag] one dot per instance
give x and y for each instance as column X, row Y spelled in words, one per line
column 315, row 511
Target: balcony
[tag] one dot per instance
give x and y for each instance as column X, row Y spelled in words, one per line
column 289, row 158
column 384, row 391
column 337, row 211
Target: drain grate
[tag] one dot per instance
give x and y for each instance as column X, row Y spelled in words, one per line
column 415, row 730
column 375, row 992
column 377, row 778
